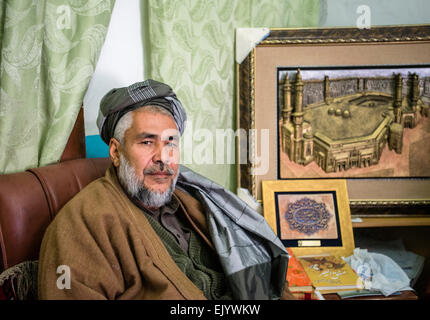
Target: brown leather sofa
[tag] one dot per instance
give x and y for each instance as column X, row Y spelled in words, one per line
column 30, row 200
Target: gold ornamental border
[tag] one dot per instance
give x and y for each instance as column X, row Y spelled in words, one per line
column 401, row 33
column 362, row 40
column 384, row 203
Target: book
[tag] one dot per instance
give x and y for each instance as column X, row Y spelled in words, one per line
column 330, row 273
column 297, row 278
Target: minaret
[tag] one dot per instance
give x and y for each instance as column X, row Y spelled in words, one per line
column 415, row 91
column 326, row 90
column 398, row 99
column 286, row 110
column 299, row 92
column 298, row 118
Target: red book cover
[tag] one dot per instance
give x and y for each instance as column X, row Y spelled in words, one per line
column 296, row 276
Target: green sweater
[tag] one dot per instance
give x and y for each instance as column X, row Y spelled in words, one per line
column 200, row 264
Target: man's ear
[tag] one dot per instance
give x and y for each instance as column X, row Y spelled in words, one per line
column 114, row 146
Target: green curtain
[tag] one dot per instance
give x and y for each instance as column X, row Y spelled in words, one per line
column 189, row 44
column 49, row 49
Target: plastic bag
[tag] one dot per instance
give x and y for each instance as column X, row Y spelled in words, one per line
column 378, row 272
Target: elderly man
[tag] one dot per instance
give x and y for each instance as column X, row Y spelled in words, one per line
column 151, row 228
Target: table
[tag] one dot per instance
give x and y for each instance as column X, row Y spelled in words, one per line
column 405, row 295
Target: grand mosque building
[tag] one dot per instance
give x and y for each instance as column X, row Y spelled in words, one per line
column 347, row 122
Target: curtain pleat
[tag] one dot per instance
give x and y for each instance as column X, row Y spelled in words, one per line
column 49, row 49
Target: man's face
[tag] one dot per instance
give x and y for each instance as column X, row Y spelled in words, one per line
column 151, row 146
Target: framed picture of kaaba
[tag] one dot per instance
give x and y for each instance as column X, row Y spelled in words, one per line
column 354, row 122
column 310, row 216
column 340, row 103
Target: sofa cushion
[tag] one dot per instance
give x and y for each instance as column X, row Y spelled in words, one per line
column 30, row 200
column 62, row 181
column 24, row 216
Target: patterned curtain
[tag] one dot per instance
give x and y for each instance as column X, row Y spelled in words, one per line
column 49, row 49
column 189, row 44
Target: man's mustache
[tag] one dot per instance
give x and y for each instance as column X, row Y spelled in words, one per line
column 159, row 168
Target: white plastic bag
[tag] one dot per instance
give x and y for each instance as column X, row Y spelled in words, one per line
column 378, row 272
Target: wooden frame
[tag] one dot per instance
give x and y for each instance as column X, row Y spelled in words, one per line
column 257, row 102
column 310, row 216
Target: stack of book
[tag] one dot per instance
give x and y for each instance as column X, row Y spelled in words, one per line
column 329, row 273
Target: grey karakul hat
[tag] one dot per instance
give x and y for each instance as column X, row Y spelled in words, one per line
column 117, row 102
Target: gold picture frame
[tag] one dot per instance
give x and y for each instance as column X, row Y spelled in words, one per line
column 310, row 216
column 257, row 103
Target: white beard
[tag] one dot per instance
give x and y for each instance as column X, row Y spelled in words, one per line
column 136, row 188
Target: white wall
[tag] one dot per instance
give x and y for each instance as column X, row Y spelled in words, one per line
column 121, row 59
column 336, row 13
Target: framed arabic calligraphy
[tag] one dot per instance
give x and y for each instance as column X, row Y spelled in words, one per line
column 310, row 216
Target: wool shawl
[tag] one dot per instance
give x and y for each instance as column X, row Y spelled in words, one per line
column 253, row 258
